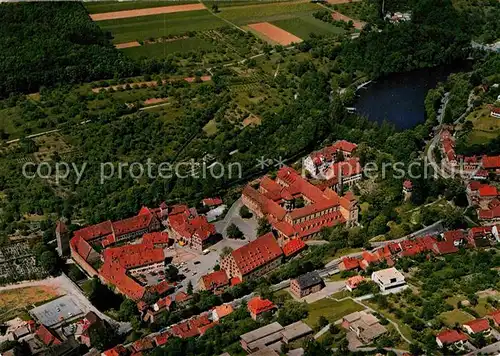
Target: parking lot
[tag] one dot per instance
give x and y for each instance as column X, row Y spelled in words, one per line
column 56, row 312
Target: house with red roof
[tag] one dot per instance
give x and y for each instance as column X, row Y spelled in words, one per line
column 257, row 306
column 190, row 229
column 215, row 281
column 459, row 237
column 495, row 112
column 143, row 344
column 118, row 350
column 353, row 282
column 211, row 202
column 182, row 298
column 481, row 194
column 451, row 337
column 491, row 163
column 407, row 186
column 445, row 247
column 162, row 338
column 47, row 336
column 191, row 327
column 477, row 326
column 349, row 263
column 495, row 316
column 321, row 160
column 156, row 239
column 221, row 311
column 348, row 172
column 254, row 259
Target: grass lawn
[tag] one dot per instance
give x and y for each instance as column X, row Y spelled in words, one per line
column 482, row 307
column 13, row 301
column 362, row 10
column 247, row 14
column 330, row 309
column 486, row 127
column 97, row 7
column 305, row 25
column 145, row 27
column 210, row 128
column 405, row 329
column 455, row 316
column 160, row 50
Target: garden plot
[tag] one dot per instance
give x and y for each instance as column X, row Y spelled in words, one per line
column 275, row 34
column 146, row 12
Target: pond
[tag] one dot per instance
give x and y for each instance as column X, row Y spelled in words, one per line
column 399, row 98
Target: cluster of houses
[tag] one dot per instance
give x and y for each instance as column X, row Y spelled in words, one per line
column 457, row 338
column 449, row 242
column 468, row 166
column 66, row 339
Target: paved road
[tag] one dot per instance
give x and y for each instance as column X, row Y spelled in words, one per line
column 492, row 349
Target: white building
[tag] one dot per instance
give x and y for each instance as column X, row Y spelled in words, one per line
column 388, row 279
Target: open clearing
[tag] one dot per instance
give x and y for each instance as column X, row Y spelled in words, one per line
column 486, row 127
column 146, row 27
column 145, row 12
column 330, row 309
column 275, row 33
column 452, row 317
column 336, row 2
column 161, row 50
column 12, row 301
column 304, row 26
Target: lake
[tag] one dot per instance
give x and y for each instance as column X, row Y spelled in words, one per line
column 399, row 98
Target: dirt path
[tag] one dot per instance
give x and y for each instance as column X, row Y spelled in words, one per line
column 146, row 12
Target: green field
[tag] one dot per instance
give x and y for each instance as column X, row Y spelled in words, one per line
column 305, row 25
column 330, row 309
column 452, row 317
column 145, row 27
column 246, row 14
column 97, row 7
column 160, row 50
column 486, row 127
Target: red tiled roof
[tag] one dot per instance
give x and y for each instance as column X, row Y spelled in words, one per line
column 257, row 305
column 234, row 281
column 454, row 235
column 488, row 191
column 495, row 315
column 478, row 325
column 314, row 208
column 451, row 336
column 223, row 310
column 189, row 226
column 182, row 297
column 293, row 246
column 46, row 336
column 350, row 263
column 215, row 280
column 370, row 258
column 143, row 344
column 162, row 338
column 132, row 224
column 141, row 305
column 212, row 201
column 487, row 214
column 348, row 168
column 257, row 253
column 491, row 162
column 95, row 231
column 495, row 110
column 132, row 256
column 164, row 302
column 153, row 238
column 327, row 154
column 353, row 282
column 202, row 330
column 118, row 350
column 266, row 205
column 407, row 184
column 81, row 247
column 160, row 288
column 445, row 247
column 190, row 327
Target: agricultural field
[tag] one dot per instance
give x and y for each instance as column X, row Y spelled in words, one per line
column 304, row 26
column 156, row 26
column 97, row 7
column 161, row 50
column 247, row 14
column 360, row 10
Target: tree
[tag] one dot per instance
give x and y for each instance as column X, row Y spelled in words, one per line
column 49, row 262
column 322, row 322
column 103, row 338
column 215, row 8
column 171, row 273
column 128, row 309
column 234, row 232
column 245, row 213
column 264, row 227
column 75, row 273
column 226, row 250
column 190, row 288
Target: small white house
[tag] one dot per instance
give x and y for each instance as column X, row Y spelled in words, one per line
column 388, row 279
